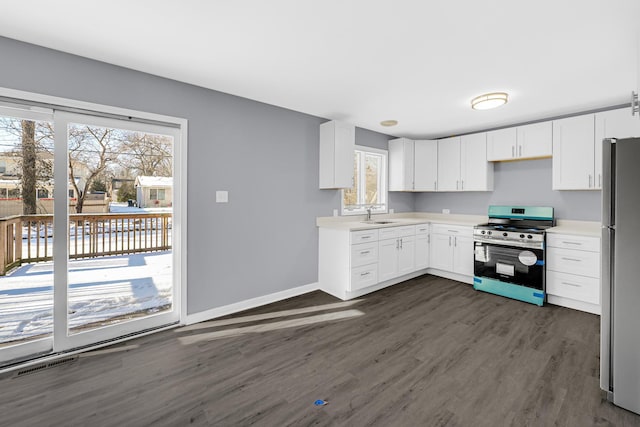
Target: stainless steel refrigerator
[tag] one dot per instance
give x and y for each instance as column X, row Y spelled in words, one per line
column 620, row 320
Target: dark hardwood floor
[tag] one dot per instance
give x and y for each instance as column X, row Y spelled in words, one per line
column 427, row 352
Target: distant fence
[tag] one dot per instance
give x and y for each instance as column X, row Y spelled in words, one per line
column 29, row 238
column 10, row 207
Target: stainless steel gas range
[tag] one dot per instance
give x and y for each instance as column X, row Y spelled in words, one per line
column 510, row 252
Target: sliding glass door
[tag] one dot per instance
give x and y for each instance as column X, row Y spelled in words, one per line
column 112, row 269
column 26, row 232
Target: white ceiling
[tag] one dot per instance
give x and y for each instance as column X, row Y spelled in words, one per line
column 362, row 61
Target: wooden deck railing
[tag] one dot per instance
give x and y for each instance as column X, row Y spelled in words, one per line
column 29, row 238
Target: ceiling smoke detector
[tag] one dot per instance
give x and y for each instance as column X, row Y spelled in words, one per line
column 489, row 100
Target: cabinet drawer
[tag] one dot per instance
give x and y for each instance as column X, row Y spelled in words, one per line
column 364, row 236
column 580, row 288
column 422, row 229
column 460, row 230
column 574, row 262
column 583, row 243
column 406, row 231
column 363, row 254
column 388, row 233
column 365, row 276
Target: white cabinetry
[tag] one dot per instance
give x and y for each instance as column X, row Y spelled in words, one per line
column 462, row 164
column 452, row 249
column 353, row 263
column 573, row 271
column 449, row 164
column 396, row 251
column 613, row 124
column 422, row 246
column 337, row 144
column 574, row 158
column 522, row 142
column 413, row 165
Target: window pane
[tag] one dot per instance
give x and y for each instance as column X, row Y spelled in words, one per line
column 351, row 195
column 372, row 165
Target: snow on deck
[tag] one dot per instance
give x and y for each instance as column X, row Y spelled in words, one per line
column 99, row 289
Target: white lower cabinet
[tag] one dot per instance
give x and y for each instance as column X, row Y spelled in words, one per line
column 396, row 252
column 422, row 246
column 452, row 249
column 573, row 271
column 350, row 262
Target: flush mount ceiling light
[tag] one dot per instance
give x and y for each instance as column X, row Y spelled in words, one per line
column 489, row 100
column 388, row 123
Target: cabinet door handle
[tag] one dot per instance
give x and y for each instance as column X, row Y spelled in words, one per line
column 435, row 185
column 462, row 185
column 449, row 240
column 397, row 244
column 366, row 273
column 400, row 243
column 589, row 180
column 457, row 182
column 520, row 151
column 572, row 259
column 364, row 252
column 455, row 241
column 513, row 151
column 599, row 180
column 575, row 285
column 572, row 243
column 365, row 237
column 452, row 231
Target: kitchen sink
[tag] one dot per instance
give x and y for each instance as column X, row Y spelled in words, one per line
column 378, row 222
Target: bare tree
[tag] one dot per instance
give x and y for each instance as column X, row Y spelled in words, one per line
column 147, row 154
column 92, row 151
column 29, row 177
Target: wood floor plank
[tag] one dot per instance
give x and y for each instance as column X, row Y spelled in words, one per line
column 427, row 352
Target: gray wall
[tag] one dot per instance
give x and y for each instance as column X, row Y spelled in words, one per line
column 264, row 240
column 526, row 182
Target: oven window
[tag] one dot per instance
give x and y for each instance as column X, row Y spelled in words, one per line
column 521, row 266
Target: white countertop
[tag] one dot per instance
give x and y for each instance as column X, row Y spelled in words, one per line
column 355, row 222
column 579, row 228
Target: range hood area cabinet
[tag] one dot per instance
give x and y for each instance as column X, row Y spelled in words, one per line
column 337, row 145
column 463, row 165
column 521, row 142
column 413, row 165
column 577, row 146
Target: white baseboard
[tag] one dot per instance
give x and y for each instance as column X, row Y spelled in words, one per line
column 576, row 305
column 450, row 275
column 250, row 303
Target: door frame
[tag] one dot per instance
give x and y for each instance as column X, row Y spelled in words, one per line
column 64, row 109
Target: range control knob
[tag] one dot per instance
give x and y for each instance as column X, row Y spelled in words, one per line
column 522, row 236
column 529, row 236
column 505, row 234
column 483, row 232
column 488, row 232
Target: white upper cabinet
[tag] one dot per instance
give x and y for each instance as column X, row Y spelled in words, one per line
column 449, row 164
column 574, row 153
column 501, row 144
column 426, row 165
column 617, row 124
column 522, row 142
column 413, row 165
column 535, row 140
column 401, row 164
column 337, row 145
column 463, row 165
column 476, row 173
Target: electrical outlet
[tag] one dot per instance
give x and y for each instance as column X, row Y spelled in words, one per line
column 335, row 212
column 222, row 197
column 446, row 211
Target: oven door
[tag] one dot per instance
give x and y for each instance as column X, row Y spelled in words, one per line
column 509, row 264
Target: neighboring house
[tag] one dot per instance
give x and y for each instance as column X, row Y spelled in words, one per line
column 154, row 191
column 116, row 184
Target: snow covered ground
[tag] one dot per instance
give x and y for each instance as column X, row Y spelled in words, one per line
column 99, row 289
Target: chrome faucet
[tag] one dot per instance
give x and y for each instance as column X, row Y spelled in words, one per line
column 369, row 213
